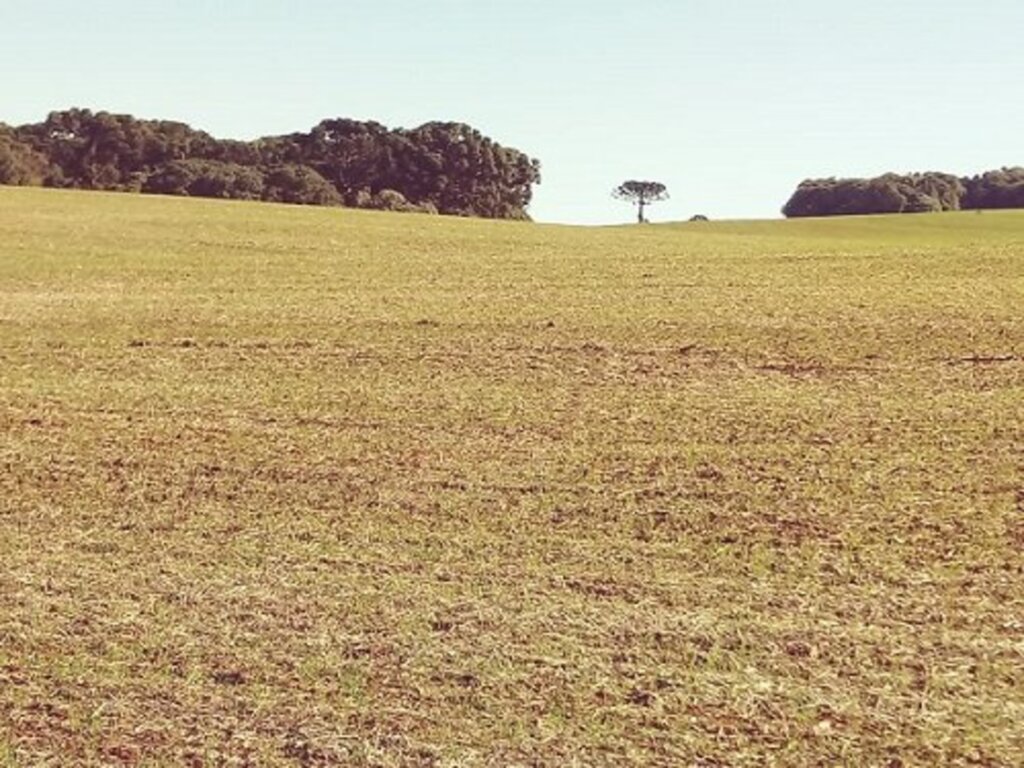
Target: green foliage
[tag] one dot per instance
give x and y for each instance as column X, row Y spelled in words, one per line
column 448, row 167
column 438, row 167
column 910, row 193
column 298, row 184
column 392, row 200
column 20, row 165
column 996, row 189
column 206, row 178
column 112, row 152
column 641, row 194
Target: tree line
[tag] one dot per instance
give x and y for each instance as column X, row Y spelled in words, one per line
column 909, row 193
column 439, row 167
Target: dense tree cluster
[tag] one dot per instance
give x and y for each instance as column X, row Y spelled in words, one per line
column 911, row 193
column 996, row 189
column 447, row 168
column 20, row 165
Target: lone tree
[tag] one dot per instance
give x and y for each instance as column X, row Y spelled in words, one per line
column 640, row 194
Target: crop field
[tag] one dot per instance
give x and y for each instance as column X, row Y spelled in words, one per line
column 316, row 487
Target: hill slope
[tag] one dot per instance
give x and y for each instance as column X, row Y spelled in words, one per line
column 314, row 487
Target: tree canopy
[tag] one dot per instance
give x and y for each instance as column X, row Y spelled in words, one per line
column 640, row 194
column 20, row 165
column 448, row 168
column 909, row 193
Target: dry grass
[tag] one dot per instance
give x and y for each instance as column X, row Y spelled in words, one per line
column 314, row 487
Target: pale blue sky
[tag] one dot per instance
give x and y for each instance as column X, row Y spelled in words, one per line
column 728, row 103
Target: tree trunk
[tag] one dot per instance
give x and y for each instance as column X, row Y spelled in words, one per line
column 640, row 211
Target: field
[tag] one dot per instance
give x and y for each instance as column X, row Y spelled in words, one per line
column 311, row 487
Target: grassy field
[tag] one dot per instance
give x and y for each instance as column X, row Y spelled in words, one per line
column 315, row 487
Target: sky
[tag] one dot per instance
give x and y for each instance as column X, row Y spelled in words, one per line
column 730, row 104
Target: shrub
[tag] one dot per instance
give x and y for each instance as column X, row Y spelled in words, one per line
column 20, row 165
column 206, row 178
column 298, row 184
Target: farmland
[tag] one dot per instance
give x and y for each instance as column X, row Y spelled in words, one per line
column 289, row 486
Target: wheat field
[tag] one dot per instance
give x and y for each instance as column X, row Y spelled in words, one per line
column 314, row 487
